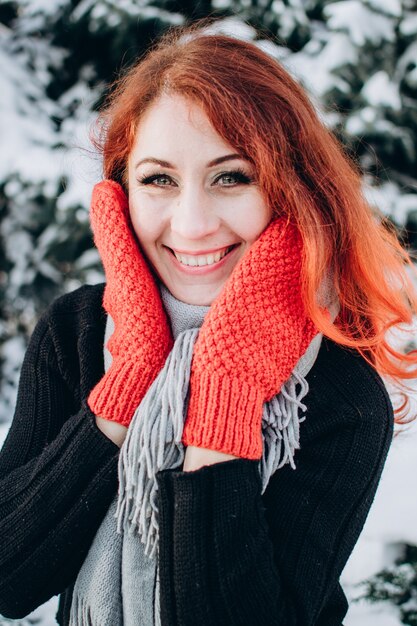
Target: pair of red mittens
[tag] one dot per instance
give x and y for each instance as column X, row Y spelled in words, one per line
column 249, row 343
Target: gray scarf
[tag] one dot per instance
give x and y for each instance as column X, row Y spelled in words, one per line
column 118, row 584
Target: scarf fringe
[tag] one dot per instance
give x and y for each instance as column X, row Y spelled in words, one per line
column 281, row 427
column 153, row 441
column 81, row 614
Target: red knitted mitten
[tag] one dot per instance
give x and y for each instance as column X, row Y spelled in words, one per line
column 142, row 337
column 248, row 345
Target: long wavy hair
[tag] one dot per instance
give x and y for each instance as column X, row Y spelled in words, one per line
column 302, row 171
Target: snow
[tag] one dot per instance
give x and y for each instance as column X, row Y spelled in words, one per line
column 369, row 121
column 407, row 66
column 12, row 352
column 393, row 510
column 111, row 14
column 220, row 4
column 43, row 7
column 43, row 616
column 234, row 27
column 25, row 123
column 392, row 519
column 289, row 16
column 359, row 22
column 317, row 69
column 379, row 91
column 387, row 198
column 389, row 7
column 82, row 166
column 19, row 250
column 408, row 27
column 277, row 52
column 365, row 614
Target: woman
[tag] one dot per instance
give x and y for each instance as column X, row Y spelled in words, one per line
column 235, row 352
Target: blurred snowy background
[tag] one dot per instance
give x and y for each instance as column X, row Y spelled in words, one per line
column 358, row 60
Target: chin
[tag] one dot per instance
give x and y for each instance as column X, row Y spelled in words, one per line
column 194, row 300
column 197, row 297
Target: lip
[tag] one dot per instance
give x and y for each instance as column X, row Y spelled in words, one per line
column 196, row 270
column 201, row 252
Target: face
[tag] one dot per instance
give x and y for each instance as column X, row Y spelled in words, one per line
column 194, row 203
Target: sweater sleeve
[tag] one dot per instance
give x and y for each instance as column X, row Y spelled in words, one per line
column 58, row 475
column 229, row 556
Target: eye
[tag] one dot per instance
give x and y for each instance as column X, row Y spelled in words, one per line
column 160, row 180
column 233, row 178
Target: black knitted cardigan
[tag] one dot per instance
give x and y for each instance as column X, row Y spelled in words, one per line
column 229, row 556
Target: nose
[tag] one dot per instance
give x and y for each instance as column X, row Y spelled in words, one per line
column 194, row 214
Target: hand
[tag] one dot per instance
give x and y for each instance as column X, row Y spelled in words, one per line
column 195, row 458
column 113, row 431
column 250, row 341
column 142, row 337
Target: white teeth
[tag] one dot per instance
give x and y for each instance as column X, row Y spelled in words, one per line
column 201, row 259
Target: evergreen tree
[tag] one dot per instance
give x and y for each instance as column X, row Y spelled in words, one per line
column 397, row 585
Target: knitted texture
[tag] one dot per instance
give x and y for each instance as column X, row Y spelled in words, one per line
column 250, row 341
column 228, row 556
column 142, row 338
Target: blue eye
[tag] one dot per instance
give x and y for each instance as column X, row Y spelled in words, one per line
column 234, row 177
column 230, row 178
column 149, row 180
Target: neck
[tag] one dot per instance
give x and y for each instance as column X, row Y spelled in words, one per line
column 183, row 316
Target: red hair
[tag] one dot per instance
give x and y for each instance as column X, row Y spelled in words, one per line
column 255, row 105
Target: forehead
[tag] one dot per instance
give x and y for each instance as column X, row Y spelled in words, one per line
column 175, row 125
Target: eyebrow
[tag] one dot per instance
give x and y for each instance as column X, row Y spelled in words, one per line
column 222, row 159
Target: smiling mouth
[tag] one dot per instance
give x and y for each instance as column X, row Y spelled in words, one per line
column 200, row 260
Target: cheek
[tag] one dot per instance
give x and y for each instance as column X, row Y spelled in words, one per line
column 253, row 219
column 146, row 227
